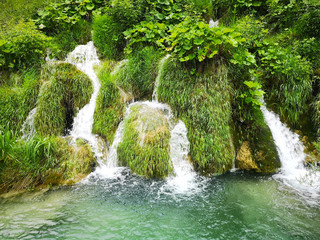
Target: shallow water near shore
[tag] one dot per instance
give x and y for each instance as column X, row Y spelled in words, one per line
column 232, row 206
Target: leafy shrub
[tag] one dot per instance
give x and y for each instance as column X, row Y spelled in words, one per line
column 64, row 91
column 190, row 40
column 60, row 14
column 23, row 46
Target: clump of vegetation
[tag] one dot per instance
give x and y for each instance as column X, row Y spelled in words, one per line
column 110, row 104
column 65, row 90
column 23, row 46
column 145, row 145
column 18, row 95
column 203, row 103
column 49, row 161
column 139, row 74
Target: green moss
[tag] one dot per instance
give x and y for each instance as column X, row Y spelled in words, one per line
column 64, row 91
column 203, row 103
column 110, row 104
column 145, row 145
column 249, row 125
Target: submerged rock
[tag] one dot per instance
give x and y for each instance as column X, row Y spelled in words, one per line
column 145, row 146
column 244, row 158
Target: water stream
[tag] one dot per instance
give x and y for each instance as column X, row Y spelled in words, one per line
column 84, row 57
column 293, row 173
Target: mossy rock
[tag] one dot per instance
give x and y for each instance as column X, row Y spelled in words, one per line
column 65, row 90
column 244, row 159
column 259, row 136
column 64, row 164
column 203, row 103
column 145, row 145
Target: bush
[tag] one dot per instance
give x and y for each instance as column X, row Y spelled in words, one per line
column 65, row 90
column 23, row 46
column 58, row 15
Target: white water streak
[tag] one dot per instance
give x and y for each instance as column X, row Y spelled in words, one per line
column 184, row 179
column 213, row 24
column 28, row 126
column 292, row 156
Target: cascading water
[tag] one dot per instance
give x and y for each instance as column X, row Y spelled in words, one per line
column 292, row 156
column 28, row 126
column 179, row 145
column 84, row 57
column 184, row 179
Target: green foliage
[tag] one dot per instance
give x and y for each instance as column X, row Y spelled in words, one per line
column 253, row 94
column 203, row 103
column 146, row 152
column 190, row 40
column 59, row 14
column 108, row 37
column 64, row 91
column 309, row 24
column 110, row 105
column 11, row 11
column 22, row 46
column 138, row 75
column 7, row 141
column 41, row 161
column 160, row 18
column 287, row 78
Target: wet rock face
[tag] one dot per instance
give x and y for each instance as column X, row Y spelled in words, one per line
column 145, row 146
column 244, row 158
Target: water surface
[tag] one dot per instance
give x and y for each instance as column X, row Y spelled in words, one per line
column 232, row 206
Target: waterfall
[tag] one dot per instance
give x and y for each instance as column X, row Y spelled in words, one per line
column 84, row 57
column 184, row 177
column 157, row 82
column 292, row 156
column 27, row 129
